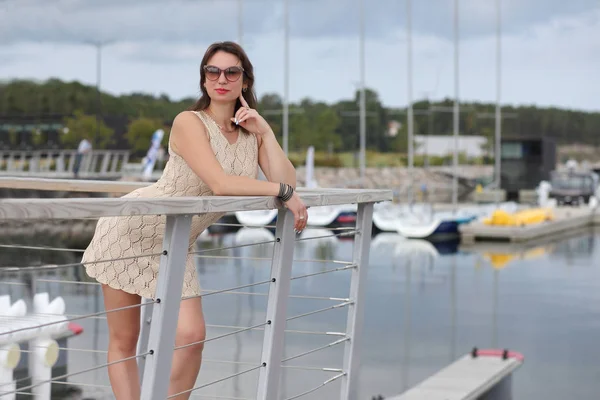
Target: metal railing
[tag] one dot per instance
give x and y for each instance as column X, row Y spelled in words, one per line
column 156, row 343
column 60, row 163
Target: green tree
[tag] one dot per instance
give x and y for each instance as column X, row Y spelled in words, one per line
column 139, row 133
column 23, row 101
column 326, row 124
column 300, row 132
column 488, row 146
column 81, row 126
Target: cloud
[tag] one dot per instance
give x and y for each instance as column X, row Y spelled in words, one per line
column 190, row 21
column 74, row 21
column 551, row 62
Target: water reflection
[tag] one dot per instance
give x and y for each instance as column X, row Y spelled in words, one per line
column 426, row 304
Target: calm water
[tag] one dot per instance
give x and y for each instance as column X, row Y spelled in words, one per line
column 425, row 306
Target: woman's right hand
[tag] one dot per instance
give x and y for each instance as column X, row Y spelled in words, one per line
column 296, row 206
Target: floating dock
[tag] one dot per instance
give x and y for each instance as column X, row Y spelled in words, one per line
column 565, row 219
column 482, row 374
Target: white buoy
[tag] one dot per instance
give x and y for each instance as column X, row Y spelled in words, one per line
column 10, row 353
column 43, row 356
column 45, row 350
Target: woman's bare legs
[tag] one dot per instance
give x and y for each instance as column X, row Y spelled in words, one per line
column 186, row 361
column 123, row 332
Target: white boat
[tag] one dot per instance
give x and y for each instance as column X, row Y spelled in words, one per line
column 417, row 222
column 328, row 215
column 386, row 216
column 401, row 246
column 420, row 222
column 253, row 235
column 258, row 218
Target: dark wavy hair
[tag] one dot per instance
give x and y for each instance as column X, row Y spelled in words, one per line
column 232, row 48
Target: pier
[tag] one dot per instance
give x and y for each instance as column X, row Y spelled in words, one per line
column 565, row 219
column 97, row 164
column 481, row 375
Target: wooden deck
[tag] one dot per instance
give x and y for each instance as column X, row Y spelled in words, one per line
column 469, row 378
column 566, row 219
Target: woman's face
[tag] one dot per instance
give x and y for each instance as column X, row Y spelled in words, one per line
column 224, row 77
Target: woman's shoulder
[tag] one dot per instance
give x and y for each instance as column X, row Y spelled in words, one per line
column 188, row 121
column 188, row 117
column 186, row 126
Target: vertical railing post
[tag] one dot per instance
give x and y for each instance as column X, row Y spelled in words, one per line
column 34, row 161
column 273, row 340
column 114, row 161
column 161, row 341
column 10, row 164
column 71, row 157
column 125, row 160
column 145, row 320
column 105, row 161
column 60, row 163
column 354, row 324
column 23, row 160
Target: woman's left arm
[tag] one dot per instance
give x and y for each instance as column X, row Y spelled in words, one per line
column 271, row 158
column 273, row 161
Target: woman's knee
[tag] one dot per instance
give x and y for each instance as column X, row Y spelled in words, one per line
column 124, row 340
column 192, row 336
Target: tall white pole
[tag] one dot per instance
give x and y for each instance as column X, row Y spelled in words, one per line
column 240, row 21
column 409, row 95
column 498, row 129
column 363, row 108
column 286, row 74
column 456, row 112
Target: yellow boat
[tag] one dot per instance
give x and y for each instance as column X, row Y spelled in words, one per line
column 520, row 218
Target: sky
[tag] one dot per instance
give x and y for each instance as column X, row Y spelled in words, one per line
column 550, row 48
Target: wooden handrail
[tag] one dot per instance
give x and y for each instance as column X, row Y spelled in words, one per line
column 103, row 207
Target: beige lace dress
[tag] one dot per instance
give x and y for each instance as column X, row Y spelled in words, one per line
column 117, row 237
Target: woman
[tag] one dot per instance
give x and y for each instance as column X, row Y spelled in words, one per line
column 215, row 149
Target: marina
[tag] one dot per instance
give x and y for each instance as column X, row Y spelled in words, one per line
column 425, row 308
column 451, row 249
column 392, row 244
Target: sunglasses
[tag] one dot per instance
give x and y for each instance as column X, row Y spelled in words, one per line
column 232, row 74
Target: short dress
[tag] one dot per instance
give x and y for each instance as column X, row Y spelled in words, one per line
column 118, row 237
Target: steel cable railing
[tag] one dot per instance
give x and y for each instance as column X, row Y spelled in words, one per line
column 14, row 327
column 194, row 253
column 305, row 353
column 68, row 265
column 69, row 318
column 64, row 376
column 239, row 330
column 339, row 305
column 62, row 321
column 273, row 282
column 218, row 380
column 327, row 382
column 237, row 246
